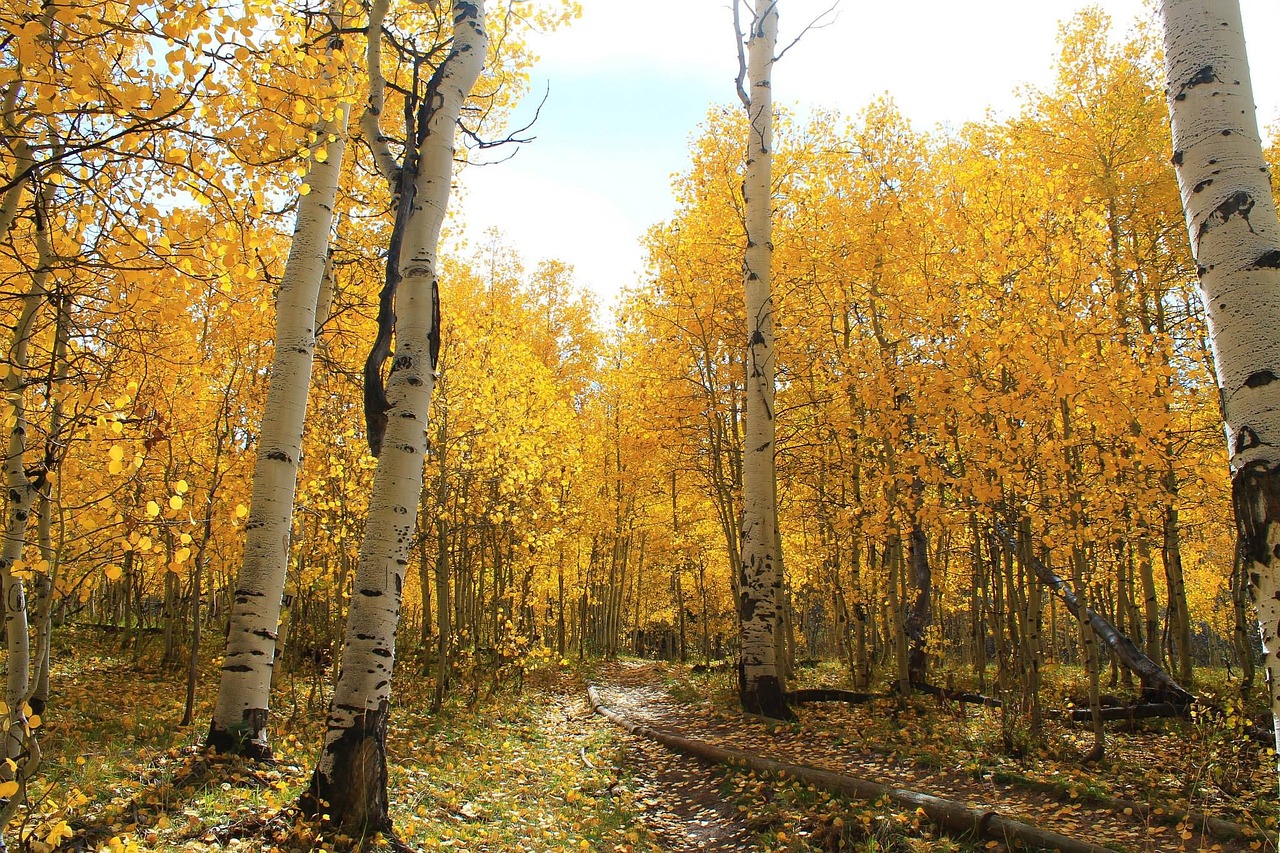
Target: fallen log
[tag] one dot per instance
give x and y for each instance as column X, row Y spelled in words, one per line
column 954, row 817
column 956, row 695
column 1158, row 710
column 830, row 694
column 1123, row 713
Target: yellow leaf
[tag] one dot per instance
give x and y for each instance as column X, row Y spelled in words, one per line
column 181, row 487
column 305, row 189
column 153, row 509
column 241, row 510
column 182, row 555
column 175, row 502
column 116, row 453
column 34, row 721
column 8, row 789
column 114, row 572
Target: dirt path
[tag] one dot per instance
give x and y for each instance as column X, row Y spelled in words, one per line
column 634, row 690
column 678, row 796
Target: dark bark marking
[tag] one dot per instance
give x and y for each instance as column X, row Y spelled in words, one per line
column 1203, row 185
column 1260, row 379
column 354, row 794
column 1255, row 490
column 372, row 593
column 1268, row 261
column 1246, row 439
column 1238, row 204
column 238, row 667
column 1200, row 78
column 278, row 456
column 1177, row 158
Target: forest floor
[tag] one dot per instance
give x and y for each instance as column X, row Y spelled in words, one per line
column 1176, row 768
column 536, row 770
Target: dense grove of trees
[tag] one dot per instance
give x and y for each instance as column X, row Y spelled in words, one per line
column 991, row 359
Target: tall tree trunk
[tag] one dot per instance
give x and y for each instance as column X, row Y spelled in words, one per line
column 239, row 723
column 1179, row 615
column 920, row 613
column 760, row 677
column 21, row 747
column 1235, row 237
column 1240, row 631
column 350, row 779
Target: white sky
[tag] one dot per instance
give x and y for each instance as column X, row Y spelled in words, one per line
column 630, row 82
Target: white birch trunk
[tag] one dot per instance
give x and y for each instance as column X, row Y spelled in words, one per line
column 18, row 739
column 239, row 723
column 350, row 779
column 760, row 573
column 1235, row 236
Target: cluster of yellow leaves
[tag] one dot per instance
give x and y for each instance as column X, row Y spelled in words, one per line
column 1000, row 321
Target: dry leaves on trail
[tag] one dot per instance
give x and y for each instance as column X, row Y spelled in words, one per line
column 636, row 691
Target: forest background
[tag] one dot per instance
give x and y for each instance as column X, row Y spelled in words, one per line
column 996, row 321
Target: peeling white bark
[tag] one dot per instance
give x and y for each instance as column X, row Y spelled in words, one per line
column 760, row 573
column 1235, row 236
column 240, row 717
column 351, row 774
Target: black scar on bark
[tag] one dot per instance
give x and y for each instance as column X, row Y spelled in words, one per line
column 766, row 699
column 1268, row 261
column 243, row 739
column 1260, row 379
column 1246, row 439
column 1201, row 77
column 278, row 456
column 354, row 792
column 1238, row 204
column 1255, row 491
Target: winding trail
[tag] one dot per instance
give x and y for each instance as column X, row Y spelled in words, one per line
column 686, row 812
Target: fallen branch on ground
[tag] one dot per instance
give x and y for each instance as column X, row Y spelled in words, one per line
column 949, row 815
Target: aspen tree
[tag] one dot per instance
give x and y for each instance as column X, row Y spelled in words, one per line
column 760, row 684
column 1235, row 237
column 350, row 779
column 239, row 721
column 21, row 748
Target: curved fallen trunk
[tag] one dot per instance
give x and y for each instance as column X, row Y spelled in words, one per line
column 949, row 815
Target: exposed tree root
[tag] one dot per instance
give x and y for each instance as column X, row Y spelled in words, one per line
column 949, row 815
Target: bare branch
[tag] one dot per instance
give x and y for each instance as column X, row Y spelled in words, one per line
column 512, row 137
column 818, row 23
column 741, row 79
